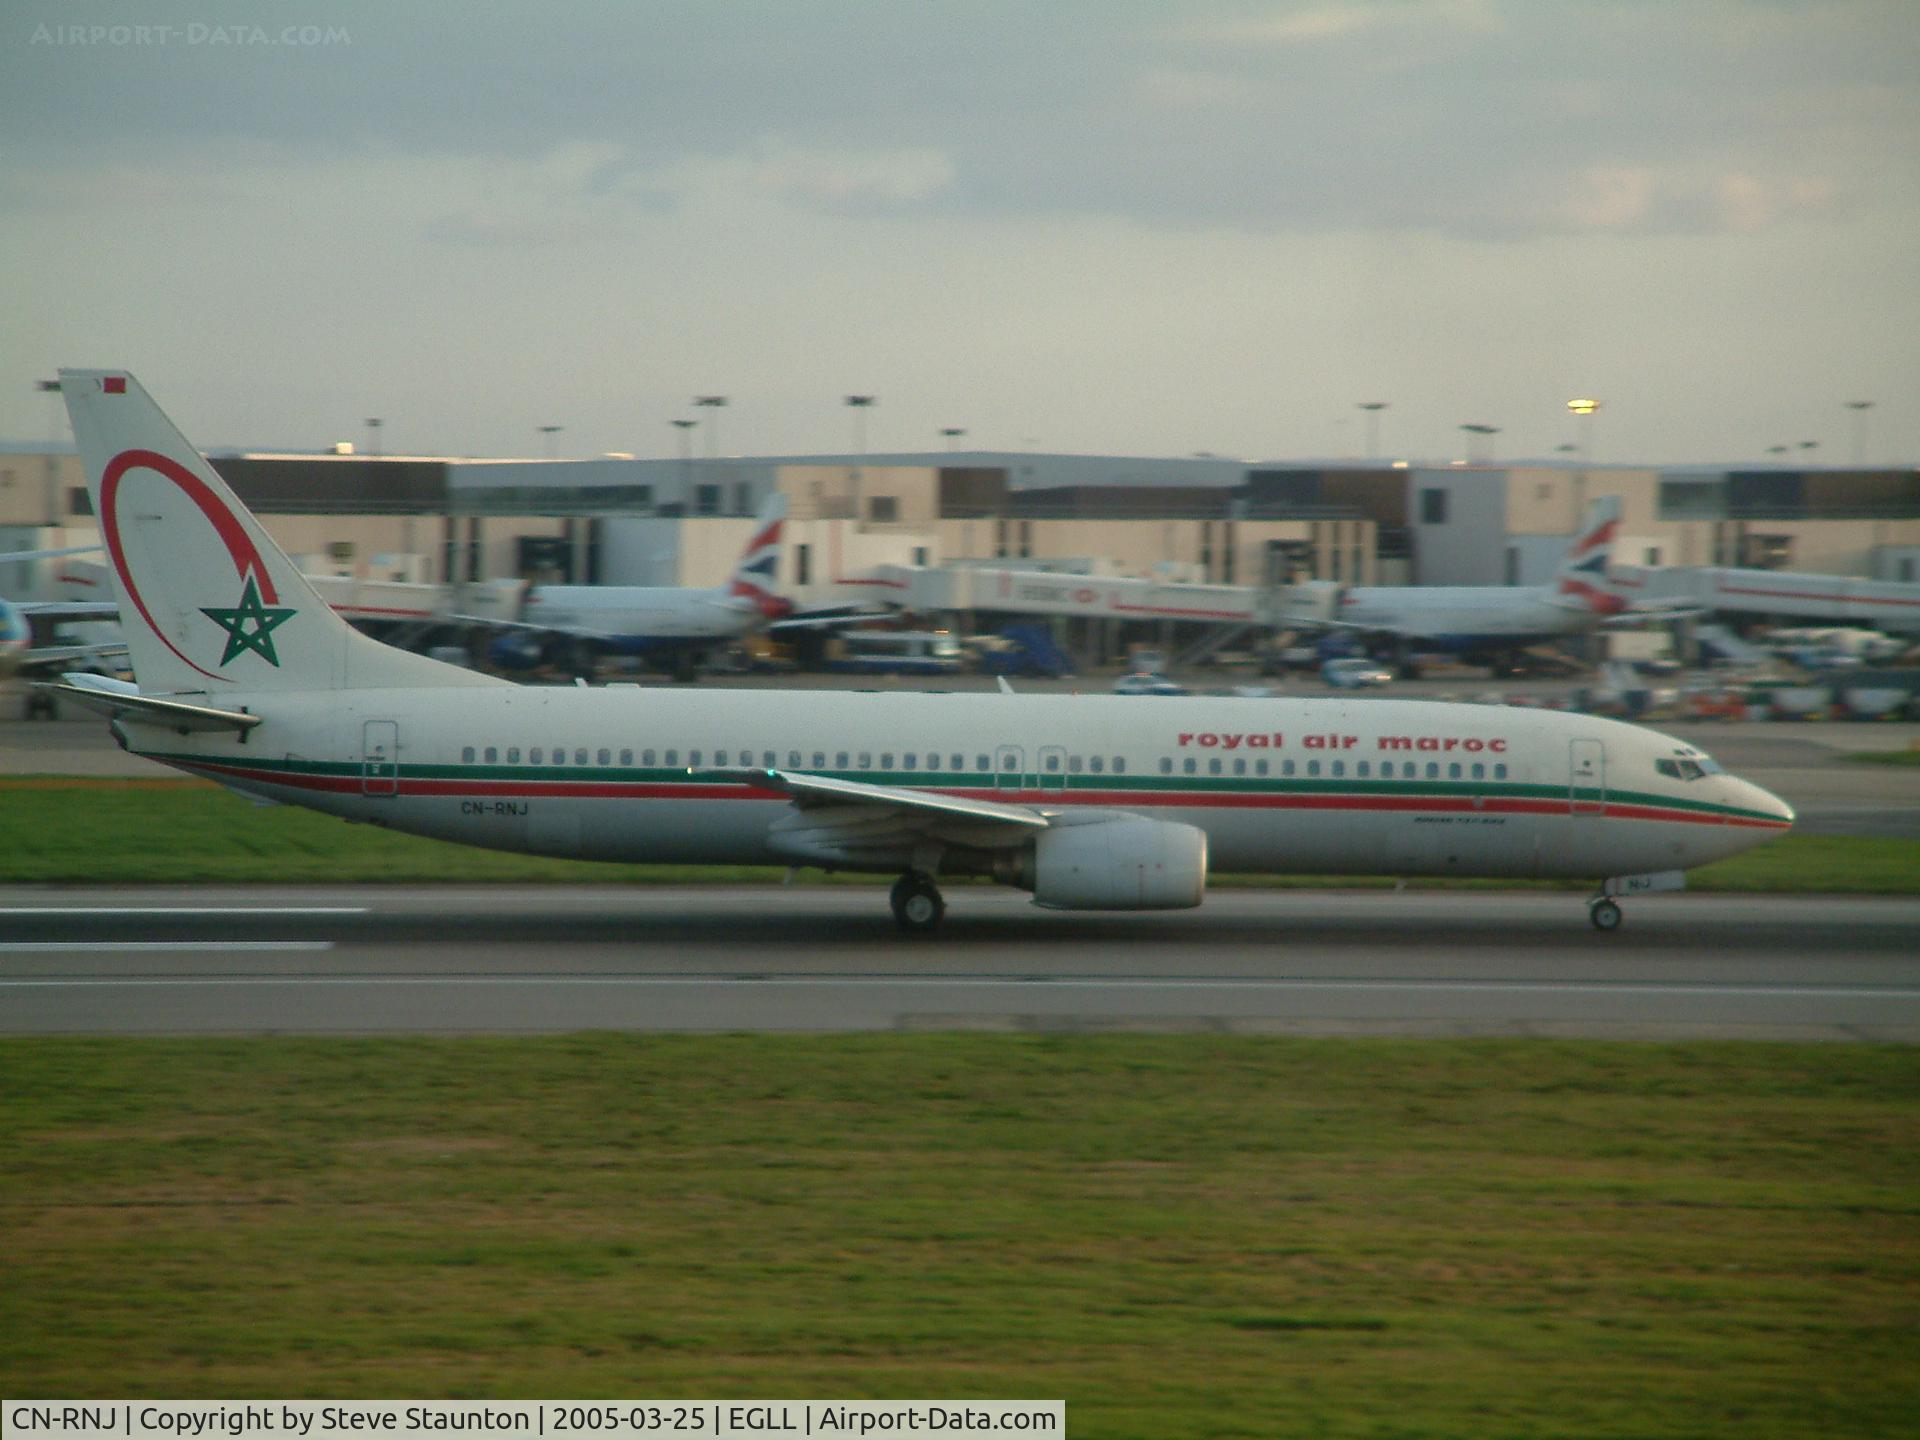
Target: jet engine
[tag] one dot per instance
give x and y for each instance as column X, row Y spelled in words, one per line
column 1121, row 863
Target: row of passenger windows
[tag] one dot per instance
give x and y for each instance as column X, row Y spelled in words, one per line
column 1337, row 769
column 1051, row 761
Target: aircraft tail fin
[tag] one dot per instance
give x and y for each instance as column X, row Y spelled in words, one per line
column 209, row 603
column 1582, row 579
column 755, row 578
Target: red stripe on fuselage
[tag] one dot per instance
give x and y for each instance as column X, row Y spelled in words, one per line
column 1125, row 799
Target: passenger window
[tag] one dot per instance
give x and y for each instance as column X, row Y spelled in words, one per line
column 1286, row 767
column 910, row 761
column 626, row 757
column 491, row 754
column 1260, row 767
column 606, row 757
column 672, row 757
column 1433, row 770
column 646, row 757
column 1191, row 766
column 866, row 759
column 1010, row 763
column 559, row 756
column 1119, row 765
column 535, row 754
column 959, row 762
column 1340, row 767
column 1073, row 764
column 886, row 761
column 466, row 755
column 1053, row 764
column 1239, row 767
column 513, row 755
column 1479, row 771
column 1363, row 769
column 819, row 759
column 1453, row 771
column 1313, row 767
column 840, row 761
column 1213, row 766
column 1500, row 771
column 980, row 763
column 1097, row 763
column 1166, row 765
column 693, row 757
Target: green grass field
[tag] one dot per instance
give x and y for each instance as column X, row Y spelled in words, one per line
column 1182, row 1236
column 1882, row 757
column 72, row 831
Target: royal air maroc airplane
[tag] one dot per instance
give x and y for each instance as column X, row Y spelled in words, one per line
column 1492, row 624
column 1090, row 802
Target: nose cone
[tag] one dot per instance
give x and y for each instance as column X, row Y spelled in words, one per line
column 1765, row 804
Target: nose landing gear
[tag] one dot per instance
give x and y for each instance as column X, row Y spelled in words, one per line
column 917, row 903
column 1605, row 914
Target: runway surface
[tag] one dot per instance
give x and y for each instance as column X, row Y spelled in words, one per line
column 449, row 960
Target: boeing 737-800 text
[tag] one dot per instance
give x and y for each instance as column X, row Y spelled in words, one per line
column 1090, row 802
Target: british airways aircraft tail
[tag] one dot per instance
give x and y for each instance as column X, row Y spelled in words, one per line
column 754, row 579
column 209, row 603
column 1581, row 582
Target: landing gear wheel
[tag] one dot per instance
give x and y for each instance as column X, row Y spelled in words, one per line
column 1605, row 915
column 917, row 906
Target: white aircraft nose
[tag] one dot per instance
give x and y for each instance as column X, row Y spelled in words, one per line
column 1766, row 803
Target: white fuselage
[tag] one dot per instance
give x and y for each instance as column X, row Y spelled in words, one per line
column 1278, row 785
column 631, row 612
column 1463, row 614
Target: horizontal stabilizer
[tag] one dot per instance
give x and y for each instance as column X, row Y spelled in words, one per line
column 119, row 700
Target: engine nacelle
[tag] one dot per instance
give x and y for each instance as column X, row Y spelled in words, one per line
column 1126, row 863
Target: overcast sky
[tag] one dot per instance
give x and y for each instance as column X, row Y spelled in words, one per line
column 1078, row 225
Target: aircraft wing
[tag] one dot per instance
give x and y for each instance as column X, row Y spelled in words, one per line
column 1652, row 613
column 855, row 824
column 814, row 791
column 122, row 700
column 533, row 627
column 58, row 612
column 46, row 657
column 827, row 617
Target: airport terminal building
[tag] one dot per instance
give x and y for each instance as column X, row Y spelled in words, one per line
column 1197, row 521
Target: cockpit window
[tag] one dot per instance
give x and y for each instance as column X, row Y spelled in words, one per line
column 1681, row 769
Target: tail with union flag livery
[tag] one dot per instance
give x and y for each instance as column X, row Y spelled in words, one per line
column 1581, row 583
column 754, row 578
column 211, row 606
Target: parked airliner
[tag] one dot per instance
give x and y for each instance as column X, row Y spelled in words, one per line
column 1089, row 802
column 674, row 628
column 1489, row 623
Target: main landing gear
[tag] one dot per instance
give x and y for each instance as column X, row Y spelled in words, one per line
column 917, row 905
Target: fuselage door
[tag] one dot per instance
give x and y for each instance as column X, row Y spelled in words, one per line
column 380, row 757
column 1009, row 768
column 1587, row 787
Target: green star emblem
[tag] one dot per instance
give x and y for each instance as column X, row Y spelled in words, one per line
column 250, row 625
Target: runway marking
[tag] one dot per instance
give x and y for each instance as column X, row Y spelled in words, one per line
column 1859, row 992
column 8, row 910
column 68, row 947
